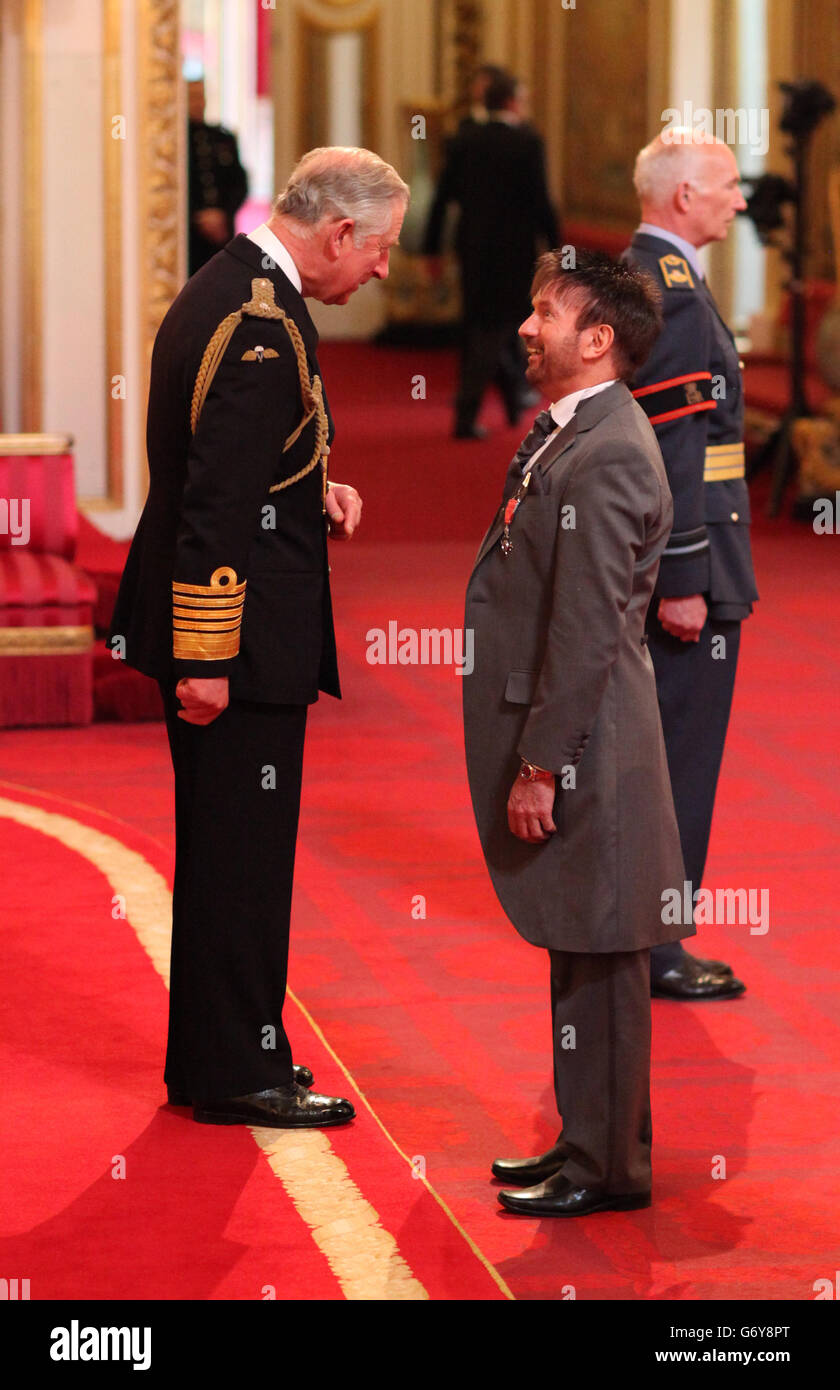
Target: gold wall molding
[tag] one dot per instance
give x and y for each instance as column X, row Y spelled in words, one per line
column 161, row 130
column 338, row 15
column 309, row 88
column 602, row 138
column 113, row 168
column 467, row 39
column 818, row 56
column 32, row 387
column 159, row 126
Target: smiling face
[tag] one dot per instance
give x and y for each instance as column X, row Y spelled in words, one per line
column 562, row 358
column 711, row 196
column 352, row 265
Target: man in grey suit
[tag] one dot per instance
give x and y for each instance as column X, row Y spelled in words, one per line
column 566, row 760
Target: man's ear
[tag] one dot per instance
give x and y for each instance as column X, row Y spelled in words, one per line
column 682, row 195
column 598, row 341
column 339, row 233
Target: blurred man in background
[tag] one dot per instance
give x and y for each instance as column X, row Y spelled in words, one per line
column 495, row 173
column 218, row 184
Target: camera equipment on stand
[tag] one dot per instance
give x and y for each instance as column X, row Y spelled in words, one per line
column 806, row 104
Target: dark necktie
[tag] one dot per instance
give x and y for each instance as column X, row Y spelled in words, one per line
column 543, row 426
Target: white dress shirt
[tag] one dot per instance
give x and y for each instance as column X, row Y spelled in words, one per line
column 264, row 237
column 562, row 411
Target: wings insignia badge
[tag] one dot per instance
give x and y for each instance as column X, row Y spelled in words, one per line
column 258, row 354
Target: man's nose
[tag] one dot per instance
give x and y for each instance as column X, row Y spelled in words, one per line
column 380, row 270
column 529, row 328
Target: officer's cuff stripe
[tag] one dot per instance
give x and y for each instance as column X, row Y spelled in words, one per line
column 206, row 618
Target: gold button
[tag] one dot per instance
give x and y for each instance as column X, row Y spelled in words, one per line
column 734, row 516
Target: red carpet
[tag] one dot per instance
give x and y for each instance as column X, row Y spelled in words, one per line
column 441, row 1019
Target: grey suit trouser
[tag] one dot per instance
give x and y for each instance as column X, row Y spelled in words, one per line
column 600, row 1011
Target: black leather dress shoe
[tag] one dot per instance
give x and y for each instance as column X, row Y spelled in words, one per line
column 527, row 1172
column 469, row 432
column 286, row 1107
column 559, row 1197
column 302, row 1075
column 692, row 980
column 714, row 967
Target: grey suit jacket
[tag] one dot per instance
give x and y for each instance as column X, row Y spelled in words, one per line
column 563, row 678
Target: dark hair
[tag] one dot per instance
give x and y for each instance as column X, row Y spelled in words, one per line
column 607, row 291
column 488, row 70
column 500, row 90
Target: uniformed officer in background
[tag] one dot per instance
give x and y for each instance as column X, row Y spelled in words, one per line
column 690, row 387
column 218, row 184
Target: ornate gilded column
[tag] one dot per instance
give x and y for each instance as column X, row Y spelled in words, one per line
column 32, row 362
column 161, row 119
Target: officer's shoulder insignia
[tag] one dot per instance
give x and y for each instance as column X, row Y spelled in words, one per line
column 675, row 272
column 258, row 354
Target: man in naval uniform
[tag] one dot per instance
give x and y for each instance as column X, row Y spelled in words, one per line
column 690, row 389
column 566, row 762
column 225, row 601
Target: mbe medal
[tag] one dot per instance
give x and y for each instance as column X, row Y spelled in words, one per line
column 506, row 544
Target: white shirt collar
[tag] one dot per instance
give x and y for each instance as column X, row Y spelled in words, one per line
column 264, row 237
column 690, row 252
column 562, row 411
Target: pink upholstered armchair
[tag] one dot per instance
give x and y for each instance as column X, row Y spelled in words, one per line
column 46, row 603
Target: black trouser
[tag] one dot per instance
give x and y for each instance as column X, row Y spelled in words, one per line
column 489, row 354
column 234, row 861
column 695, row 696
column 602, row 1067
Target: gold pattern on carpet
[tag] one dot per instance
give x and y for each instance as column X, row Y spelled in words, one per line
column 363, row 1256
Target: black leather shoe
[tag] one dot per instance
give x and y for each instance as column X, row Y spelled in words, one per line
column 692, row 980
column 527, row 1172
column 714, row 967
column 302, row 1075
column 291, row 1107
column 559, row 1197
column 469, row 432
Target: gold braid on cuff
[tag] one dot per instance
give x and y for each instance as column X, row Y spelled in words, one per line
column 206, row 618
column 262, row 304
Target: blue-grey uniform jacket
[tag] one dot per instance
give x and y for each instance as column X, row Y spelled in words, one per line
column 690, row 389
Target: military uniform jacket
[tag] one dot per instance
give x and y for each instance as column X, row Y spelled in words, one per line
column 690, row 389
column 563, row 677
column 225, row 577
